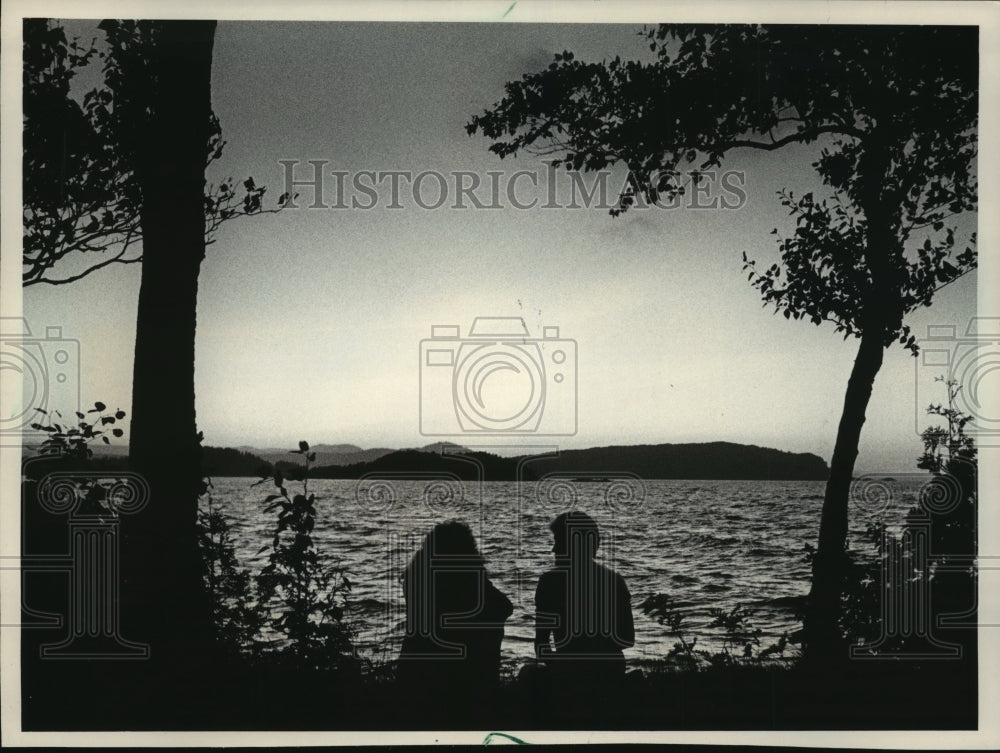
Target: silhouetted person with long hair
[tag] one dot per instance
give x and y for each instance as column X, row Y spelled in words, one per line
column 454, row 621
column 583, row 611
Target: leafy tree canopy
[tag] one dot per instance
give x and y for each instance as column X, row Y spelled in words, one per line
column 893, row 111
column 82, row 156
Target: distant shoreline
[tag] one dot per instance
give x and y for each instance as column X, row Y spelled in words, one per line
column 693, row 461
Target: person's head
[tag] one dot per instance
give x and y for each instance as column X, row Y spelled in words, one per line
column 449, row 543
column 451, row 539
column 576, row 537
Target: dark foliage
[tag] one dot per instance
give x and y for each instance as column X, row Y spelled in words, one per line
column 934, row 554
column 305, row 596
column 81, row 183
column 236, row 612
column 741, row 644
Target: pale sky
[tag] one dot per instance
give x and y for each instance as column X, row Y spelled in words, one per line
column 310, row 321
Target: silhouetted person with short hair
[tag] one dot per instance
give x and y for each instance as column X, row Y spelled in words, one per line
column 454, row 621
column 583, row 610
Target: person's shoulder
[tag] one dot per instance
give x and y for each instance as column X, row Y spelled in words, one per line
column 492, row 589
column 550, row 577
column 553, row 573
column 497, row 602
column 612, row 574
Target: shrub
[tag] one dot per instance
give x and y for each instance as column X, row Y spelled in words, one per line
column 68, row 443
column 306, row 599
column 236, row 613
column 934, row 553
column 741, row 644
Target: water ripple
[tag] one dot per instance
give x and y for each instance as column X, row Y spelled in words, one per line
column 709, row 544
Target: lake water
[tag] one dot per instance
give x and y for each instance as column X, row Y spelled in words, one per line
column 705, row 543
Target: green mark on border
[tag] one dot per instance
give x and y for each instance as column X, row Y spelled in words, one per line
column 505, row 16
column 490, row 738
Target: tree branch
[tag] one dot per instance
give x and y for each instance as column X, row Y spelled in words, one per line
column 114, row 260
column 956, row 277
column 798, row 136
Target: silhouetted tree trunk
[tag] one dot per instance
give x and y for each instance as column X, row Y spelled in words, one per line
column 882, row 313
column 822, row 617
column 171, row 608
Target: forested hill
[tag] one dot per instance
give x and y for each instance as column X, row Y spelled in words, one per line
column 215, row 461
column 710, row 460
column 226, row 461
